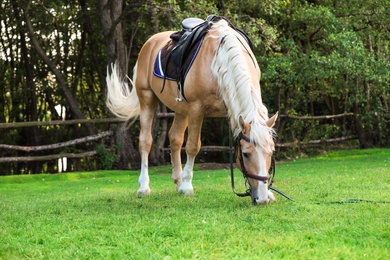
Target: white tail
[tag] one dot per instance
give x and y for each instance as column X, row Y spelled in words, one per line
column 121, row 101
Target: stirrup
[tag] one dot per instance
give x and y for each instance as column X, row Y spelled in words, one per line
column 179, row 94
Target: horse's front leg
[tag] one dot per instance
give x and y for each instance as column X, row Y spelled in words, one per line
column 176, row 138
column 192, row 150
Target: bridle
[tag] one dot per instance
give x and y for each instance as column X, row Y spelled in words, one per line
column 246, row 174
column 265, row 179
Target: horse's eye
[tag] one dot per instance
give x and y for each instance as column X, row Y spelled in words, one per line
column 246, row 155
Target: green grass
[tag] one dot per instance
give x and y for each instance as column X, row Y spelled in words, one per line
column 97, row 215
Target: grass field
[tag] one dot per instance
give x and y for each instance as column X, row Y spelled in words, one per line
column 97, row 215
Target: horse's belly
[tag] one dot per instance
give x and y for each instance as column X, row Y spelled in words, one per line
column 205, row 102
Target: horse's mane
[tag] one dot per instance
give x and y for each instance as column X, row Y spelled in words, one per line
column 241, row 97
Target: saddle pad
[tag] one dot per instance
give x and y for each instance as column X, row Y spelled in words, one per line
column 164, row 66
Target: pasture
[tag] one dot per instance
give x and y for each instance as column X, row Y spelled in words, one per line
column 97, row 215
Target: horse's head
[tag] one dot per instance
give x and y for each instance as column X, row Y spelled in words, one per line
column 255, row 162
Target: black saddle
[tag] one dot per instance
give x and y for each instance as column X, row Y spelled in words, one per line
column 189, row 24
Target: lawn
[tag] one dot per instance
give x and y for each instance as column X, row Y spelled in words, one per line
column 97, row 215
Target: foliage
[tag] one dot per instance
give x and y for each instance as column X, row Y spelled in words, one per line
column 106, row 157
column 317, row 58
column 98, row 215
column 327, row 62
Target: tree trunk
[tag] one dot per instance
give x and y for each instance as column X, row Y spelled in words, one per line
column 129, row 157
column 160, row 135
column 31, row 108
column 60, row 78
column 111, row 15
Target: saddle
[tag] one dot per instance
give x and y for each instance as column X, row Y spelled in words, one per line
column 175, row 59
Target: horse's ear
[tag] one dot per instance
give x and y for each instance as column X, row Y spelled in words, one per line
column 245, row 126
column 271, row 122
column 242, row 122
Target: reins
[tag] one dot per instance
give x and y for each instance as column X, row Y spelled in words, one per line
column 271, row 180
column 247, row 192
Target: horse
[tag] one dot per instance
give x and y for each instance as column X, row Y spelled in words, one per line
column 224, row 80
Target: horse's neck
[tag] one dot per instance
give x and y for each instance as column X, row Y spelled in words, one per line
column 239, row 89
column 247, row 107
column 238, row 85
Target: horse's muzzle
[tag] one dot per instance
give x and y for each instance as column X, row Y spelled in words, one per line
column 257, row 201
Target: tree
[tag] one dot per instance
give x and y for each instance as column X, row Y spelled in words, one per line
column 323, row 60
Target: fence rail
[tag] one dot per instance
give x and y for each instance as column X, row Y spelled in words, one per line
column 317, row 117
column 58, row 145
column 101, row 135
column 118, row 120
column 72, row 122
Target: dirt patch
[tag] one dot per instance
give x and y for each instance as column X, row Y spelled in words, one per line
column 213, row 166
column 204, row 167
column 224, row 166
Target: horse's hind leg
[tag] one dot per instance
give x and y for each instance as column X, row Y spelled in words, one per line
column 176, row 138
column 148, row 105
column 192, row 150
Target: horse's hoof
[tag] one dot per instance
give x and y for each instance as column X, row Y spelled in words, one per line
column 143, row 192
column 186, row 190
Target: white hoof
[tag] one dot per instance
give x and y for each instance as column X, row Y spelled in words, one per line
column 186, row 189
column 143, row 191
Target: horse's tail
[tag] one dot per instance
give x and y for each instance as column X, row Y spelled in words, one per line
column 121, row 100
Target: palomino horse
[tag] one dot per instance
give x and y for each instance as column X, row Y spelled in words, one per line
column 222, row 81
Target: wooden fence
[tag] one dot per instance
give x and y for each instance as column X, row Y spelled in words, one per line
column 105, row 134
